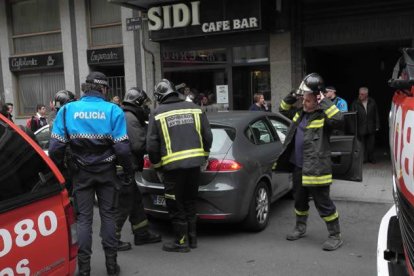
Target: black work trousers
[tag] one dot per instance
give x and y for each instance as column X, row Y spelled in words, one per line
column 130, row 205
column 85, row 185
column 320, row 195
column 368, row 144
column 180, row 191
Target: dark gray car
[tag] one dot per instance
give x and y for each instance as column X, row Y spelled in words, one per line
column 238, row 183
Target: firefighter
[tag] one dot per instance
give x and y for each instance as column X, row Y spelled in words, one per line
column 96, row 133
column 306, row 150
column 130, row 203
column 178, row 143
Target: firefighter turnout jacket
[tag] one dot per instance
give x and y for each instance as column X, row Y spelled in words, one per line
column 317, row 164
column 179, row 135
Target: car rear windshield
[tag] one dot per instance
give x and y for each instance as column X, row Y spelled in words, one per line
column 223, row 138
column 24, row 175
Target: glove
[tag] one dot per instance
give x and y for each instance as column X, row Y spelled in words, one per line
column 291, row 98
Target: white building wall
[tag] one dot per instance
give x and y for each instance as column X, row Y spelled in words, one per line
column 82, row 39
column 67, row 48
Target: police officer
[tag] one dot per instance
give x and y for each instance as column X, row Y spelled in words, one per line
column 178, row 143
column 96, row 133
column 130, row 202
column 306, row 150
column 340, row 103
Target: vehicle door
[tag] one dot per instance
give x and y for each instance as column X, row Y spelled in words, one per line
column 35, row 231
column 280, row 126
column 346, row 152
column 266, row 150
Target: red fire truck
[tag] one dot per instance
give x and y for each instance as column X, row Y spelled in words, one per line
column 395, row 250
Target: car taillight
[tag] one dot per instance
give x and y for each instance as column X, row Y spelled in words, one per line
column 72, row 233
column 225, row 165
column 147, row 162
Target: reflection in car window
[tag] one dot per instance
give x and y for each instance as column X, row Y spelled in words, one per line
column 222, row 139
column 43, row 137
column 24, row 176
column 281, row 129
column 259, row 133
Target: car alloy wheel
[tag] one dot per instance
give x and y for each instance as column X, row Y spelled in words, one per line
column 259, row 209
column 262, row 205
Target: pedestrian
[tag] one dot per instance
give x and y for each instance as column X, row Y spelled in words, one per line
column 340, row 103
column 39, row 119
column 10, row 111
column 130, row 200
column 259, row 103
column 96, row 133
column 178, row 143
column 116, row 100
column 306, row 152
column 368, row 122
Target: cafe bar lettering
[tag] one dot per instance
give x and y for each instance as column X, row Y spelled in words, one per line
column 198, row 18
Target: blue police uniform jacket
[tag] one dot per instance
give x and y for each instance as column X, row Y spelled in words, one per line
column 96, row 132
column 340, row 104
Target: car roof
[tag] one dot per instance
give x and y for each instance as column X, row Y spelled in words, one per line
column 239, row 118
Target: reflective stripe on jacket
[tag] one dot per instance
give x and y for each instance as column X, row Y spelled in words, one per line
column 179, row 135
column 317, row 164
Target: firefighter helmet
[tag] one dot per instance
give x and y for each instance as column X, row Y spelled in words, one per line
column 163, row 89
column 312, row 83
column 135, row 96
column 63, row 97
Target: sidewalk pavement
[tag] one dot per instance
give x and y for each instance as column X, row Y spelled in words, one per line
column 375, row 187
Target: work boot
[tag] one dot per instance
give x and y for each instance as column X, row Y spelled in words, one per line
column 84, row 265
column 112, row 267
column 300, row 229
column 334, row 241
column 122, row 246
column 192, row 233
column 180, row 244
column 143, row 236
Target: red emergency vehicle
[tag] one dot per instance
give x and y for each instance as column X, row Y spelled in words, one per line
column 395, row 251
column 37, row 223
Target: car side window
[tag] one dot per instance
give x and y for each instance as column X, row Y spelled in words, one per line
column 281, row 129
column 24, row 176
column 43, row 138
column 259, row 133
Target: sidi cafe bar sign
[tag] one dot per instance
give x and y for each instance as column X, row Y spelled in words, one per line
column 204, row 17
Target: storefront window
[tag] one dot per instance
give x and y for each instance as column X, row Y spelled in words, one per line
column 38, row 88
column 36, row 26
column 194, row 57
column 105, row 23
column 251, row 54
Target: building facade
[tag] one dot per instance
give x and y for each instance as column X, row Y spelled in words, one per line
column 229, row 49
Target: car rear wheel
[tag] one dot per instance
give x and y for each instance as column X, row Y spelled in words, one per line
column 259, row 209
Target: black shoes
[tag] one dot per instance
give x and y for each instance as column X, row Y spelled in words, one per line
column 141, row 238
column 123, row 246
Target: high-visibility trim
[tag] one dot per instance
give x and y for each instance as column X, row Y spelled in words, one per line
column 332, row 217
column 301, row 213
column 140, row 225
column 296, row 117
column 316, row 123
column 184, row 154
column 169, row 196
column 330, row 112
column 198, row 128
column 178, row 112
column 166, row 135
column 158, row 165
column 315, row 180
column 285, row 106
column 182, row 240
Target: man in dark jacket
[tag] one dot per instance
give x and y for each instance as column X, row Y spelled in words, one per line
column 178, row 143
column 306, row 150
column 130, row 201
column 368, row 122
